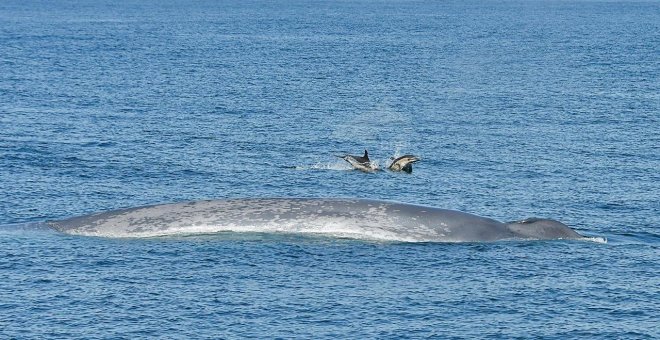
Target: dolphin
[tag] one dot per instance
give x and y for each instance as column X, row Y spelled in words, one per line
column 403, row 163
column 340, row 217
column 361, row 163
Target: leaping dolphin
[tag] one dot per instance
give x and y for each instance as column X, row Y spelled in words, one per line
column 360, row 163
column 353, row 218
column 403, row 163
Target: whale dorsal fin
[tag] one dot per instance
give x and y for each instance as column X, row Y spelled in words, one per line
column 366, row 155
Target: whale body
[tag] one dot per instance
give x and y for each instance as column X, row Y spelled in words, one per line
column 350, row 218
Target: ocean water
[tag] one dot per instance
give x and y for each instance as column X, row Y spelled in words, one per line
column 517, row 109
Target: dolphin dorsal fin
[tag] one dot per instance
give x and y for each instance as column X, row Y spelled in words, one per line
column 366, row 154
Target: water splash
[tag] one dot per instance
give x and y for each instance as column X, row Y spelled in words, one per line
column 596, row 239
column 339, row 165
column 336, row 166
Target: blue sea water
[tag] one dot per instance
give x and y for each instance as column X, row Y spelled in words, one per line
column 517, row 109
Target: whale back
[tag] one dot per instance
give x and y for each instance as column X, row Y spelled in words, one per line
column 542, row 228
column 353, row 218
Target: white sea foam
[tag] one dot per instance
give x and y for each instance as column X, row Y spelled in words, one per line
column 596, row 239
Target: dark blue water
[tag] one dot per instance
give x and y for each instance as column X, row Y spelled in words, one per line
column 517, row 108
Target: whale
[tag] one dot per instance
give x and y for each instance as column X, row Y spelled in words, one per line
column 361, row 163
column 336, row 217
column 403, row 163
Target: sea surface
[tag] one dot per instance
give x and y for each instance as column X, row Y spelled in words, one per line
column 517, row 109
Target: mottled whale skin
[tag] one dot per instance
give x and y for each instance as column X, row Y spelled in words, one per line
column 353, row 218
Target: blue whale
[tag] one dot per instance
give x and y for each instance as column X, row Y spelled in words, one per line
column 341, row 217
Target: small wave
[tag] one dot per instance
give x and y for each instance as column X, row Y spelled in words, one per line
column 635, row 237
